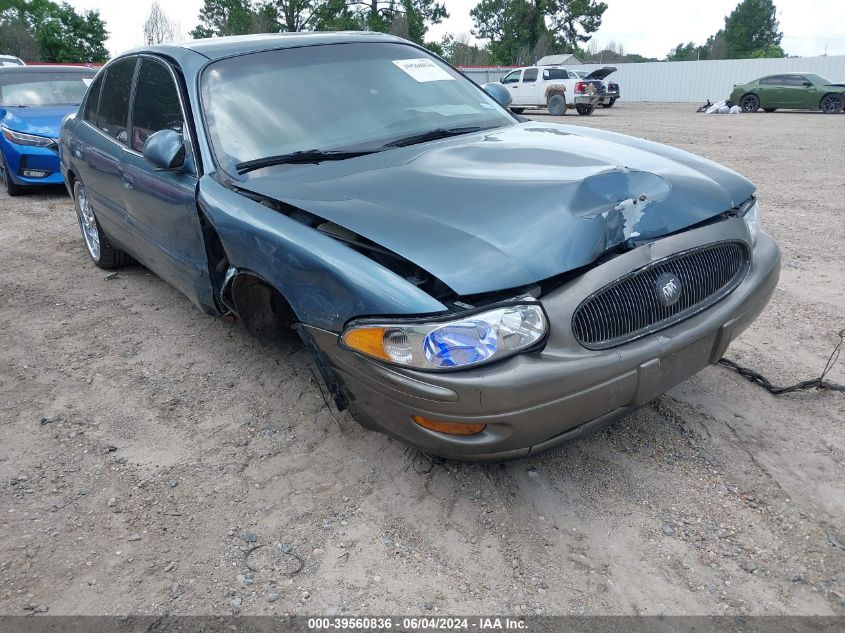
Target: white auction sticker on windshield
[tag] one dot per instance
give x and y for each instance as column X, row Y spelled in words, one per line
column 423, row 70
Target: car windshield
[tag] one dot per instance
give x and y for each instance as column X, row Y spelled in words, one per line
column 337, row 98
column 43, row 88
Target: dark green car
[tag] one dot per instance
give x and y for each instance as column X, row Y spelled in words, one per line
column 790, row 91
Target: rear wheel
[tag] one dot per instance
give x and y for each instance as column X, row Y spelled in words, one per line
column 585, row 110
column 12, row 188
column 749, row 103
column 557, row 105
column 99, row 247
column 832, row 104
column 609, row 104
column 517, row 110
column 769, row 109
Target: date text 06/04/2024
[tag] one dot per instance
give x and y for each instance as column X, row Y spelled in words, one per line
column 417, row 623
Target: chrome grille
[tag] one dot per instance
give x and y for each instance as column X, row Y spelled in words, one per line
column 636, row 305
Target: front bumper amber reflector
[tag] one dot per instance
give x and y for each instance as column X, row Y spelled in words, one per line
column 451, row 428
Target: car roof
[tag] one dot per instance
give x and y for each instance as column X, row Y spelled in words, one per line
column 220, row 47
column 47, row 69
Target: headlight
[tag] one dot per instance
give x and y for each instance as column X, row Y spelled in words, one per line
column 751, row 214
column 438, row 345
column 27, row 139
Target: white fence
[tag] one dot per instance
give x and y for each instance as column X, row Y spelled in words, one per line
column 693, row 81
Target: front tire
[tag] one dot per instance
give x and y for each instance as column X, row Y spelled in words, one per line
column 832, row 104
column 517, row 110
column 585, row 110
column 749, row 103
column 101, row 250
column 609, row 104
column 11, row 187
column 557, row 105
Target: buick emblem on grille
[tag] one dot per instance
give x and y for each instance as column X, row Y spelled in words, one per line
column 669, row 289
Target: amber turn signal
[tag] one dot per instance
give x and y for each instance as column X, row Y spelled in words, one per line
column 452, row 428
column 367, row 340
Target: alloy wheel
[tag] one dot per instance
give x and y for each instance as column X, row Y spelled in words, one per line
column 832, row 104
column 87, row 222
column 750, row 103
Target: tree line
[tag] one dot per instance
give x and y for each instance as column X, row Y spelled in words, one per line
column 509, row 32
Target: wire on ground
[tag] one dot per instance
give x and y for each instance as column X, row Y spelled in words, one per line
column 814, row 383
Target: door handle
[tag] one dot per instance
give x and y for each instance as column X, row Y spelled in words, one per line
column 127, row 181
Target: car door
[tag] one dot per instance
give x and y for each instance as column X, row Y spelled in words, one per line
column 99, row 145
column 511, row 82
column 161, row 204
column 528, row 87
column 767, row 91
column 795, row 91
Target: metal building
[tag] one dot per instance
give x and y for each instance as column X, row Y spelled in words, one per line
column 692, row 81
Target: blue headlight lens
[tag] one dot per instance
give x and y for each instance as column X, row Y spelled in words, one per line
column 493, row 334
column 461, row 344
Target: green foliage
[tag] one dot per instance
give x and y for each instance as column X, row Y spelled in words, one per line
column 519, row 31
column 751, row 30
column 406, row 18
column 772, row 50
column 459, row 52
column 290, row 15
column 337, row 15
column 235, row 17
column 751, row 27
column 15, row 39
column 59, row 33
column 684, row 53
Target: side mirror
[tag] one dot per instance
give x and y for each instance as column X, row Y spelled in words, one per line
column 499, row 93
column 808, row 84
column 165, row 149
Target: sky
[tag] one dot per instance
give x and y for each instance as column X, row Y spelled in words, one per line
column 647, row 27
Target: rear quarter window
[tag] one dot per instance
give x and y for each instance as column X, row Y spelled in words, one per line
column 113, row 112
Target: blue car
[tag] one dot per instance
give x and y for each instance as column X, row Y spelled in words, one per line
column 33, row 102
column 475, row 284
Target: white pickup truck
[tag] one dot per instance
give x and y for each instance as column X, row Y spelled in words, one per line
column 556, row 89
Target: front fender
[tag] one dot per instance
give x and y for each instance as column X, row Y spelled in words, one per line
column 325, row 282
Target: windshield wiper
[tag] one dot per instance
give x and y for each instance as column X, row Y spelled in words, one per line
column 433, row 135
column 302, row 157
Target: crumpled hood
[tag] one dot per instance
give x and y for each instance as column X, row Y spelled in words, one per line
column 509, row 207
column 42, row 121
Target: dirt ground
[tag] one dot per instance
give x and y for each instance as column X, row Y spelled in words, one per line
column 155, row 460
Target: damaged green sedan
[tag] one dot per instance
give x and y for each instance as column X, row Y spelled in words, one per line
column 473, row 284
column 790, row 91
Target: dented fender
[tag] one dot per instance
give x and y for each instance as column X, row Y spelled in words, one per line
column 325, row 282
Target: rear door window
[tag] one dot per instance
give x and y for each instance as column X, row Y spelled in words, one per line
column 90, row 112
column 156, row 106
column 529, row 76
column 113, row 113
